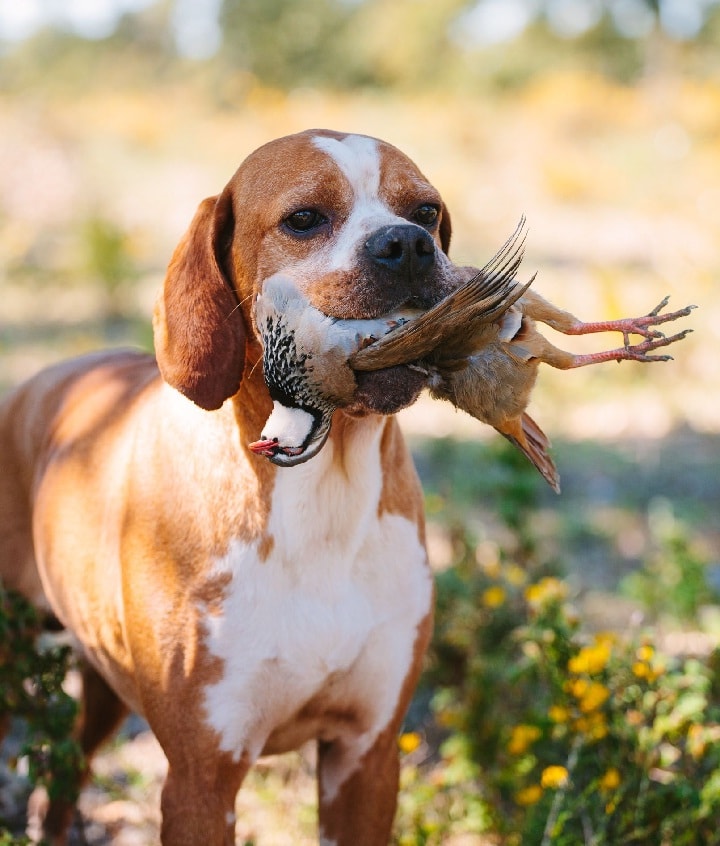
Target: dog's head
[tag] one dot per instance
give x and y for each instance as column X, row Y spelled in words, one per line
column 349, row 218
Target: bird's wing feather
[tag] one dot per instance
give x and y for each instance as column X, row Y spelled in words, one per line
column 480, row 300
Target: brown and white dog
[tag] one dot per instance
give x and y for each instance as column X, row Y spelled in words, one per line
column 242, row 608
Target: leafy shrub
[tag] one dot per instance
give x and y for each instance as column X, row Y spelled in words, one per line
column 674, row 580
column 31, row 688
column 553, row 735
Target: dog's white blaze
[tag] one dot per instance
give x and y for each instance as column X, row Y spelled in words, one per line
column 341, row 595
column 359, row 160
column 290, row 426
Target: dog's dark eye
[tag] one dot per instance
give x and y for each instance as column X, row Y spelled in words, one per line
column 426, row 215
column 304, row 220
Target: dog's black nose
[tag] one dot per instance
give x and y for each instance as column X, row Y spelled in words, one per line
column 404, row 249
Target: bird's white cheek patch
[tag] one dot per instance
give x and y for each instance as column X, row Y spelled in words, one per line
column 291, row 426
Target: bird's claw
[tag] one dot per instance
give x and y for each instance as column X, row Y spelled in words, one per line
column 643, row 325
column 639, row 352
column 632, row 352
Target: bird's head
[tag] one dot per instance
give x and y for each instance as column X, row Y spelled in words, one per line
column 292, row 435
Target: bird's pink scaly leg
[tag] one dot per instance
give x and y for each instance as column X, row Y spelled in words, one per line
column 643, row 326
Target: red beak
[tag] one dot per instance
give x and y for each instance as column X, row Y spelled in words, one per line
column 267, row 447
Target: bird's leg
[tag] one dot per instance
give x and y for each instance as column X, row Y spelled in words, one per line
column 540, row 309
column 630, row 352
column 633, row 325
column 539, row 347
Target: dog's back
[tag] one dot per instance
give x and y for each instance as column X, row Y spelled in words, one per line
column 93, row 389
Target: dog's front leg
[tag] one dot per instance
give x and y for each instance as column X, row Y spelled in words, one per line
column 358, row 793
column 198, row 799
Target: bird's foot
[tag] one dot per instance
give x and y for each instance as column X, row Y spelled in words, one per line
column 643, row 326
column 633, row 352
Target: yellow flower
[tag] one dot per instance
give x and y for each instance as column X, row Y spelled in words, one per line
column 597, row 728
column 594, row 725
column 493, row 597
column 581, row 725
column 515, row 575
column 409, row 742
column 558, row 713
column 578, row 687
column 521, row 738
column 546, row 590
column 529, row 795
column 554, row 776
column 594, row 697
column 610, row 780
column 591, row 659
column 641, row 670
column 644, row 652
column 696, row 741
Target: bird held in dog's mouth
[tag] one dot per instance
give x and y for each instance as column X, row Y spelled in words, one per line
column 305, row 354
column 305, row 363
column 479, row 348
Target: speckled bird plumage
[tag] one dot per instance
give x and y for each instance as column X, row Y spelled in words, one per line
column 305, row 363
column 306, row 353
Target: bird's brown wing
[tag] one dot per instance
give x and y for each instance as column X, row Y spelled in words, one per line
column 480, row 300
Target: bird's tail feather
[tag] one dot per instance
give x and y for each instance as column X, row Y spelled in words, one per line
column 534, row 443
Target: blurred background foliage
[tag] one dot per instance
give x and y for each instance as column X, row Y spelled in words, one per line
column 598, row 119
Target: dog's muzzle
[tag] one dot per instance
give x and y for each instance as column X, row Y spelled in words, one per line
column 403, row 256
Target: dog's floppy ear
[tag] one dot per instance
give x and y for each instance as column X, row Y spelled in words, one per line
column 445, row 229
column 199, row 330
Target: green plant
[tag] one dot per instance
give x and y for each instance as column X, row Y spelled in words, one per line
column 673, row 580
column 31, row 688
column 109, row 260
column 554, row 735
column 568, row 738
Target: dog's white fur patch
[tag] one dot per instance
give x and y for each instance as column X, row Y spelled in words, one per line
column 340, row 598
column 358, row 158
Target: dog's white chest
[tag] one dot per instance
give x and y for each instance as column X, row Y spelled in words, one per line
column 331, row 613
